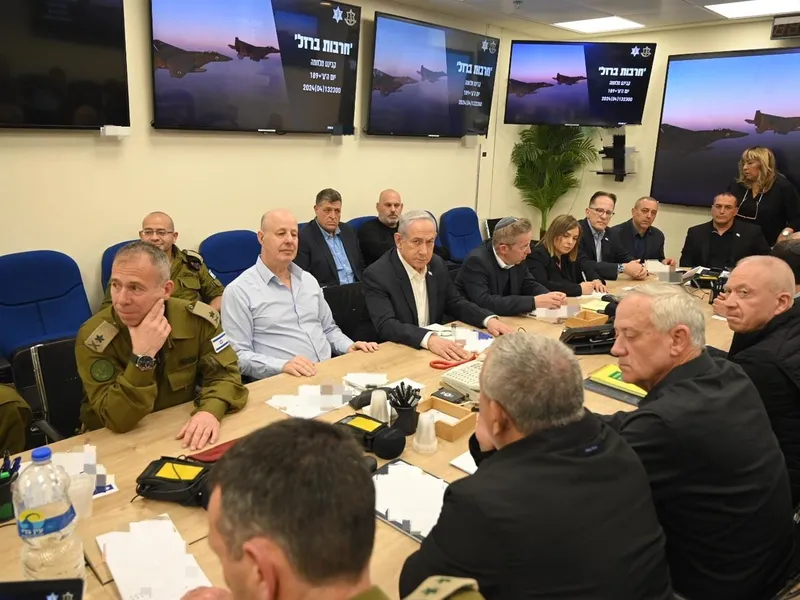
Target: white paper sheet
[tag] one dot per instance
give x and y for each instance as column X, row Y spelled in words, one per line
column 409, row 496
column 465, row 463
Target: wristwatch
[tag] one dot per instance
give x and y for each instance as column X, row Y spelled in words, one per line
column 620, row 268
column 786, row 233
column 143, row 363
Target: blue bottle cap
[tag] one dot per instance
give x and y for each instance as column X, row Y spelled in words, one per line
column 41, row 454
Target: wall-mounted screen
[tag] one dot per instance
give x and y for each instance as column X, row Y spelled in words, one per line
column 255, row 65
column 62, row 64
column 596, row 84
column 429, row 80
column 710, row 116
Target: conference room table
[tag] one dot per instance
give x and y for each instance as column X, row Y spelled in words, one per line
column 126, row 455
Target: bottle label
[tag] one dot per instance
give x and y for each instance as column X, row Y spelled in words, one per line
column 32, row 524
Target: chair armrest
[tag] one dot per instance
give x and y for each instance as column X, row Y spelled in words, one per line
column 6, row 372
column 47, row 430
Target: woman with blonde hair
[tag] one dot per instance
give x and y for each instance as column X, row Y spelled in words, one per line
column 555, row 263
column 765, row 197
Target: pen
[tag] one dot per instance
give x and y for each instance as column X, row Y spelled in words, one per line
column 14, row 466
column 6, row 461
column 584, row 276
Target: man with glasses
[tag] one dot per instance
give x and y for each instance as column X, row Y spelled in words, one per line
column 601, row 246
column 639, row 237
column 494, row 275
column 192, row 278
column 724, row 240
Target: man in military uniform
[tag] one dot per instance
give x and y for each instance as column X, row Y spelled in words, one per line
column 15, row 416
column 147, row 351
column 292, row 515
column 192, row 278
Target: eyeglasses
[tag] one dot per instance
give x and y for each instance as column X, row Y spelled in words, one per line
column 602, row 212
column 158, row 232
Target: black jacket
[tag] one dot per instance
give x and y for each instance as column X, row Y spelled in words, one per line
column 481, row 279
column 771, row 358
column 314, row 256
column 564, row 513
column 391, row 305
column 718, row 478
column 748, row 240
column 653, row 241
column 779, row 207
column 564, row 278
column 375, row 239
column 613, row 252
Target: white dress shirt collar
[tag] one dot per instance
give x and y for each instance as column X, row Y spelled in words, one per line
column 412, row 272
column 499, row 260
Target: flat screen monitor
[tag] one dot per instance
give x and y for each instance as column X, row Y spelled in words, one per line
column 255, row 65
column 595, row 84
column 429, row 80
column 62, row 64
column 715, row 107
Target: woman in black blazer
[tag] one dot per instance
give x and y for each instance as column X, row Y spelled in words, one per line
column 765, row 197
column 555, row 263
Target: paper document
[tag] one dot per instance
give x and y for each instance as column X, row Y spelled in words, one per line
column 465, row 462
column 592, row 295
column 474, row 341
column 83, row 459
column 595, row 305
column 360, row 381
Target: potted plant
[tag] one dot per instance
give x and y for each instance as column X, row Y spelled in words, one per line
column 547, row 158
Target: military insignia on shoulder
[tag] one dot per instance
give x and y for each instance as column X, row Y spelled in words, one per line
column 201, row 309
column 193, row 259
column 101, row 337
column 102, row 370
column 434, row 588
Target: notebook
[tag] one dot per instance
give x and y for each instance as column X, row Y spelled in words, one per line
column 611, row 376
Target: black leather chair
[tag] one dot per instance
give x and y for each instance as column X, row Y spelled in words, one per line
column 349, row 307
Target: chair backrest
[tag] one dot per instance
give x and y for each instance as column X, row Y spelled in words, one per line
column 228, row 253
column 460, row 232
column 349, row 307
column 490, row 225
column 42, row 298
column 108, row 260
column 359, row 221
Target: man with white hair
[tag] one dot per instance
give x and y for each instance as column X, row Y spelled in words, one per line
column 718, row 476
column 561, row 508
column 759, row 303
column 409, row 288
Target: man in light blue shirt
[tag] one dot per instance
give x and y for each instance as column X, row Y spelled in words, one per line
column 276, row 317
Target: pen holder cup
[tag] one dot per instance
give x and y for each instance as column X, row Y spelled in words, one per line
column 6, row 506
column 406, row 421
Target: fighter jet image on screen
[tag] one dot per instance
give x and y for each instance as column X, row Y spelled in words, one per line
column 389, row 84
column 568, row 80
column 180, row 62
column 254, row 53
column 781, row 125
column 685, row 141
column 431, row 76
column 523, row 88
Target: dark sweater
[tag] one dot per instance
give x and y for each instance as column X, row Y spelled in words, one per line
column 375, row 239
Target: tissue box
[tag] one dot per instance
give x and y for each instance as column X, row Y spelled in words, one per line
column 466, row 418
column 586, row 318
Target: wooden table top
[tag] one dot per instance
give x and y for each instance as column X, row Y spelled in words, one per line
column 126, row 455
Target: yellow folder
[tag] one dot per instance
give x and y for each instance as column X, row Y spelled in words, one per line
column 611, row 376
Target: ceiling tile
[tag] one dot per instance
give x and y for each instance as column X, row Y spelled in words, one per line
column 627, row 7
column 684, row 15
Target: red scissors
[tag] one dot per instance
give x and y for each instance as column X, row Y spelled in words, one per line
column 440, row 363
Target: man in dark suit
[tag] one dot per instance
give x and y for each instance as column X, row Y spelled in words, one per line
column 638, row 236
column 494, row 275
column 600, row 246
column 328, row 248
column 561, row 508
column 717, row 474
column 724, row 240
column 376, row 237
column 409, row 288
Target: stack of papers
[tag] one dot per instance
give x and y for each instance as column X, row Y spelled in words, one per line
column 556, row 314
column 408, row 498
column 595, row 305
column 311, row 400
column 465, row 462
column 150, row 561
column 360, row 381
column 591, row 296
column 83, row 459
column 474, row 341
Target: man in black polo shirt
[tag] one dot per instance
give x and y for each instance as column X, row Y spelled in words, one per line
column 639, row 237
column 717, row 473
column 376, row 237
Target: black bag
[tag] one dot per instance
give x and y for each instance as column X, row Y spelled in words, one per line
column 590, row 340
column 175, row 480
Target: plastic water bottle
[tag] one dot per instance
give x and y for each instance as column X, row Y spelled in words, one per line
column 46, row 521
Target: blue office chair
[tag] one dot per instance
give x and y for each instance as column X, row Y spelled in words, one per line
column 228, row 253
column 108, row 260
column 42, row 298
column 357, row 222
column 460, row 232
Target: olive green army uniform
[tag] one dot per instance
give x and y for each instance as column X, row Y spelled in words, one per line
column 433, row 588
column 192, row 278
column 118, row 394
column 15, row 416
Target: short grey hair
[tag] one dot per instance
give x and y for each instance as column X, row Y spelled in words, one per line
column 537, row 380
column 672, row 305
column 158, row 258
column 507, row 233
column 638, row 203
column 407, row 218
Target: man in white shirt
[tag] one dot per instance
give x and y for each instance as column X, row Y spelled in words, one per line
column 276, row 317
column 409, row 288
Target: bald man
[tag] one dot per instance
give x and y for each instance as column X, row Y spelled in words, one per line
column 193, row 281
column 376, row 237
column 275, row 314
column 639, row 237
column 761, row 311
